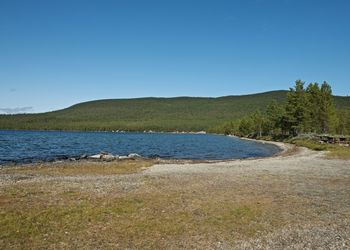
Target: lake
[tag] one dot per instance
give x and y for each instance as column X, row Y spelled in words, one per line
column 34, row 146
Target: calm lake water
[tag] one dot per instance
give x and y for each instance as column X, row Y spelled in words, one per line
column 33, row 146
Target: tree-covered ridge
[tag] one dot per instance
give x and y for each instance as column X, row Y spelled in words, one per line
column 158, row 114
column 306, row 110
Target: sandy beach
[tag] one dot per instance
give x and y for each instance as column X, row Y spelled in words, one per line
column 299, row 199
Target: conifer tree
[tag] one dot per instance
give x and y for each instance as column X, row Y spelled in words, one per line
column 274, row 115
column 296, row 108
column 327, row 110
column 245, row 126
column 258, row 122
column 343, row 122
column 314, row 100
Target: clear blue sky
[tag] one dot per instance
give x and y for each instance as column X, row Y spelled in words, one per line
column 55, row 53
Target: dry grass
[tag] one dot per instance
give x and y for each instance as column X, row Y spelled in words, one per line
column 36, row 216
column 82, row 168
column 339, row 152
column 90, row 205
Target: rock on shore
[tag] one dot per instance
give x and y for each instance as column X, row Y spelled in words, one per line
column 105, row 156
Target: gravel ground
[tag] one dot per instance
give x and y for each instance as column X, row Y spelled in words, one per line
column 298, row 200
column 320, row 187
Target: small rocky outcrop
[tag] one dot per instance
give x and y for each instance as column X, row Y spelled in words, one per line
column 95, row 157
column 108, row 157
column 134, row 156
column 84, row 156
column 105, row 156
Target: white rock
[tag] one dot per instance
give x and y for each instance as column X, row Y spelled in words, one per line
column 108, row 157
column 84, row 156
column 98, row 156
column 134, row 156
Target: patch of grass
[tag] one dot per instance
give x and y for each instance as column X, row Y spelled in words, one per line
column 340, row 152
column 37, row 215
column 334, row 150
column 44, row 226
column 310, row 144
column 82, row 168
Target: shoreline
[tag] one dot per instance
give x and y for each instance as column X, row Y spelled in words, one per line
column 285, row 149
column 272, row 202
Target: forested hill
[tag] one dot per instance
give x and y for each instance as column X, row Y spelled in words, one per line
column 160, row 114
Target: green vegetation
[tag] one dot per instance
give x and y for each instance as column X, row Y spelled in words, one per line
column 306, row 110
column 334, row 150
column 309, row 111
column 158, row 114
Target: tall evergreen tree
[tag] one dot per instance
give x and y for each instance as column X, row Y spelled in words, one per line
column 314, row 100
column 246, row 126
column 343, row 122
column 274, row 115
column 258, row 122
column 296, row 109
column 327, row 109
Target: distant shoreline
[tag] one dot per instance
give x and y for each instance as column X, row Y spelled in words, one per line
column 285, row 147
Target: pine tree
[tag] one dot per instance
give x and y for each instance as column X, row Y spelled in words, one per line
column 245, row 126
column 314, row 100
column 296, row 109
column 258, row 122
column 343, row 122
column 327, row 110
column 274, row 115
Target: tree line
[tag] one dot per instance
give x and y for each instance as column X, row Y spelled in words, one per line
column 308, row 109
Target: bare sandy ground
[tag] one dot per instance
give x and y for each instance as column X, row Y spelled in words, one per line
column 309, row 193
column 296, row 200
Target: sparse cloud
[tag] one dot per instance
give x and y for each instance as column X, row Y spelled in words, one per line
column 16, row 110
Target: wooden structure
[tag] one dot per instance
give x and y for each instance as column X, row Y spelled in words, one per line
column 334, row 139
